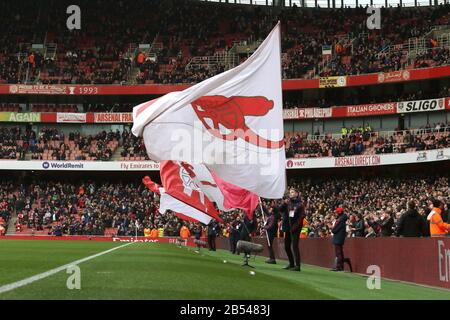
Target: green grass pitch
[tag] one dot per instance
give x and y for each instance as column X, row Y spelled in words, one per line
column 164, row 271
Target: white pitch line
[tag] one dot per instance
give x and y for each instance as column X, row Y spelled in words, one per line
column 24, row 282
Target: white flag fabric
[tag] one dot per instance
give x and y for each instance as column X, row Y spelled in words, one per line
column 231, row 122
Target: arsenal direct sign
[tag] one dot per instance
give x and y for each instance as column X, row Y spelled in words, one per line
column 421, row 105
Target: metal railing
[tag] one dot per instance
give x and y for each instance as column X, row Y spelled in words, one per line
column 385, row 134
column 227, row 59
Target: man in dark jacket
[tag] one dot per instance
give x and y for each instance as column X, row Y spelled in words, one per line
column 271, row 228
column 198, row 233
column 386, row 224
column 339, row 234
column 248, row 226
column 358, row 229
column 235, row 230
column 293, row 213
column 212, row 233
column 411, row 223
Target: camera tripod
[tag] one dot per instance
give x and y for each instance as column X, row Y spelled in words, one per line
column 246, row 258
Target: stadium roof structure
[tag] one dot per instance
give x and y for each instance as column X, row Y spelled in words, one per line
column 337, row 3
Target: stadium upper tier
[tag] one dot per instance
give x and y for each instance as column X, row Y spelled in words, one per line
column 54, row 144
column 149, row 41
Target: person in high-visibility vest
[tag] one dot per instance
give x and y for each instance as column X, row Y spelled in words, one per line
column 438, row 228
column 344, row 131
column 161, row 232
column 154, row 233
column 147, row 232
column 184, row 232
column 305, row 229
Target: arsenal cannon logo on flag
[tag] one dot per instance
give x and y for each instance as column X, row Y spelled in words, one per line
column 232, row 123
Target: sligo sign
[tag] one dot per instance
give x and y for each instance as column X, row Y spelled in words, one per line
column 421, row 105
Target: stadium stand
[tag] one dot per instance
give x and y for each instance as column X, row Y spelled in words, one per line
column 52, row 143
column 364, row 141
column 103, row 208
column 195, row 49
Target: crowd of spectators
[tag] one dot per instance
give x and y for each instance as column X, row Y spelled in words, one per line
column 133, row 147
column 374, row 206
column 363, row 140
column 99, row 53
column 7, row 204
column 89, row 208
column 14, row 143
column 51, row 143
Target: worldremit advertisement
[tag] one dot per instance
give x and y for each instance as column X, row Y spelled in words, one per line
column 332, row 82
column 421, row 105
column 80, row 165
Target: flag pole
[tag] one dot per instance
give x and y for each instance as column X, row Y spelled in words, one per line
column 264, row 219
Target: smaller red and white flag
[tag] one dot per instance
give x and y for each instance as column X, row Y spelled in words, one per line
column 179, row 185
column 167, row 202
column 226, row 195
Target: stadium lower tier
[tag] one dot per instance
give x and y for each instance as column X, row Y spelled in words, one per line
column 48, row 205
column 57, row 143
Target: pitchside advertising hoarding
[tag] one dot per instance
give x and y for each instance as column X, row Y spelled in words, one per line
column 306, row 163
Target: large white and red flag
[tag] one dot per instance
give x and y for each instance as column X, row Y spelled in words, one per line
column 231, row 122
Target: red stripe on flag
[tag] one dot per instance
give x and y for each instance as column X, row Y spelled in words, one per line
column 145, row 106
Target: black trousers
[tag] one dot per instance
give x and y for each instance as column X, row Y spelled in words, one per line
column 233, row 243
column 212, row 242
column 291, row 240
column 271, row 252
column 339, row 250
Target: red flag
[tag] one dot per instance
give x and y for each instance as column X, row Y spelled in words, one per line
column 235, row 197
column 153, row 186
column 178, row 183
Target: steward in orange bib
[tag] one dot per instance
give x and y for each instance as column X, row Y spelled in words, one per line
column 184, row 232
column 154, row 233
column 438, row 228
